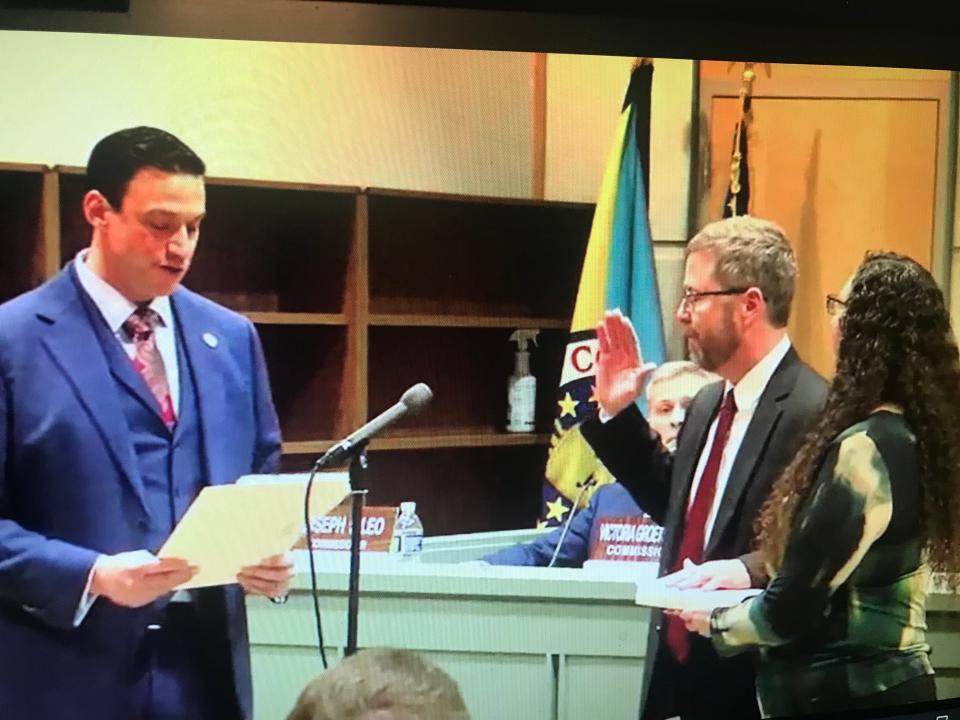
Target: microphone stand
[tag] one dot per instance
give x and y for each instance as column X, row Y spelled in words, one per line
column 357, row 453
column 358, row 492
column 354, row 448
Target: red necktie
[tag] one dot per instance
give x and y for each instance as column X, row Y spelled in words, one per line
column 147, row 360
column 695, row 524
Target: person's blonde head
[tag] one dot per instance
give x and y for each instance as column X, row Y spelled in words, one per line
column 381, row 684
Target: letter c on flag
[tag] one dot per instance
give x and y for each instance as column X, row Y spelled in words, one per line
column 575, row 358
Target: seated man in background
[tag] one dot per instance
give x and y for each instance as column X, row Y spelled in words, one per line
column 381, row 684
column 669, row 392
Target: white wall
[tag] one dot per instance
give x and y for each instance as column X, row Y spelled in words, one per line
column 456, row 121
column 584, row 97
column 338, row 114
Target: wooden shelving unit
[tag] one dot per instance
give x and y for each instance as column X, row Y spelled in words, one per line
column 21, row 210
column 357, row 295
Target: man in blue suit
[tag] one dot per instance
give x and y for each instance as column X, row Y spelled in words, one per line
column 669, row 392
column 121, row 396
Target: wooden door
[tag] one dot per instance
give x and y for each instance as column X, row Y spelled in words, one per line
column 844, row 166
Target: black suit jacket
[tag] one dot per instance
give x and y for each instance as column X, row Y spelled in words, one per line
column 660, row 483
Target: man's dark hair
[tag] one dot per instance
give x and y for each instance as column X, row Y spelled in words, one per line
column 119, row 156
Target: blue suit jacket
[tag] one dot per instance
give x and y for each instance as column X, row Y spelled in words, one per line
column 70, row 489
column 611, row 500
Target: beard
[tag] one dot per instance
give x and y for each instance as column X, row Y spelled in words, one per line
column 714, row 346
column 671, row 444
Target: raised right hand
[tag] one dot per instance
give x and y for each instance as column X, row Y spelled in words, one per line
column 620, row 376
column 137, row 578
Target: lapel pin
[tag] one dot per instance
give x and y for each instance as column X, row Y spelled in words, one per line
column 210, row 339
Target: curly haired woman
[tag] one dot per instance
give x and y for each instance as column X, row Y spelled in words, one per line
column 864, row 512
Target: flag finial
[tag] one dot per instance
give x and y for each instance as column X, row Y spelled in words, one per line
column 749, row 66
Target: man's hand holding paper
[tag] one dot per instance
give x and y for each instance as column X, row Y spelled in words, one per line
column 659, row 594
column 696, row 621
column 137, row 578
column 271, row 578
column 712, row 575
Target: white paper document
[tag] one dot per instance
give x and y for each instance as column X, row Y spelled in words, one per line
column 655, row 594
column 232, row 526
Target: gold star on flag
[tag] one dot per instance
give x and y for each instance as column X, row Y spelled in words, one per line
column 568, row 405
column 556, row 510
column 541, row 524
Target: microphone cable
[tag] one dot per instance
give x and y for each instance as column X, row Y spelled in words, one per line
column 313, row 565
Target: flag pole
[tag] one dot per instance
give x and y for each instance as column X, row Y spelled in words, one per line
column 746, row 94
column 639, row 93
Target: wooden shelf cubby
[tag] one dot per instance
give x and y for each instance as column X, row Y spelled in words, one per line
column 467, row 368
column 306, row 366
column 275, row 249
column 474, row 257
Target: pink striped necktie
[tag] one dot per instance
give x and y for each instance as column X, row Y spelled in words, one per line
column 147, row 359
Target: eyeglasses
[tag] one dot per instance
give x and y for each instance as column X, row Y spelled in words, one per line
column 835, row 305
column 691, row 297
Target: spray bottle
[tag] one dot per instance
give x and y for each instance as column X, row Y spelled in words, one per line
column 522, row 386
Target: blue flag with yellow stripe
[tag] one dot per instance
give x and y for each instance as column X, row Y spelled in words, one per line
column 618, row 272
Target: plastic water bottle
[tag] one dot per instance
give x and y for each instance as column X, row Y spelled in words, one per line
column 409, row 532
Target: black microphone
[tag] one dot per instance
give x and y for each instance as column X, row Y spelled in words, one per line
column 412, row 401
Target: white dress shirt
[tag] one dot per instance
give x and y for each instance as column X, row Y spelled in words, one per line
column 747, row 394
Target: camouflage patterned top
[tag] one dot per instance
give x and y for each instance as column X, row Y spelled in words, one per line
column 846, row 616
